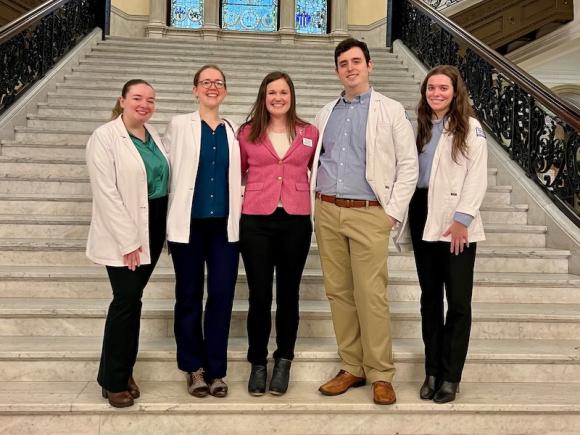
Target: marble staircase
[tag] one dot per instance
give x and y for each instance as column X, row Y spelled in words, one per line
column 523, row 371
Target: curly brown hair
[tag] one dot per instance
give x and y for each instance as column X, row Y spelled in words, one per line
column 456, row 118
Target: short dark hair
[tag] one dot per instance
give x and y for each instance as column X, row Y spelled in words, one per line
column 346, row 45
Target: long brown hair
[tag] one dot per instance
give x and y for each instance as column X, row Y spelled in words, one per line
column 259, row 117
column 457, row 117
column 118, row 110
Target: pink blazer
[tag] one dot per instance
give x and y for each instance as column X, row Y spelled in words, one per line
column 269, row 178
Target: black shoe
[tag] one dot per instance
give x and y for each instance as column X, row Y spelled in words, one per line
column 429, row 388
column 257, row 382
column 280, row 377
column 446, row 392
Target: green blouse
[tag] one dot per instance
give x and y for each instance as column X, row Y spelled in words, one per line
column 156, row 166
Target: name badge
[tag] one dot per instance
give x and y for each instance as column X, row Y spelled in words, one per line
column 306, row 141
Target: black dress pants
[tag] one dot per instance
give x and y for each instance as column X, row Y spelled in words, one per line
column 280, row 242
column 121, row 337
column 446, row 338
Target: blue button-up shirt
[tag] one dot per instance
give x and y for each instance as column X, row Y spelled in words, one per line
column 211, row 184
column 342, row 170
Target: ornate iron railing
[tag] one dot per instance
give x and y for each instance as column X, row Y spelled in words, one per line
column 441, row 4
column 539, row 130
column 32, row 44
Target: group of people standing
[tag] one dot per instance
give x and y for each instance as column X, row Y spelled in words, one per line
column 215, row 190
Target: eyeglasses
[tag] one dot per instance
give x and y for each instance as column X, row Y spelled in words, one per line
column 219, row 84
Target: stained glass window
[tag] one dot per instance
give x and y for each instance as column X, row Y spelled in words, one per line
column 250, row 15
column 311, row 16
column 187, row 14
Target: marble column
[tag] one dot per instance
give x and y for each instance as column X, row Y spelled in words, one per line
column 157, row 25
column 287, row 21
column 211, row 19
column 338, row 19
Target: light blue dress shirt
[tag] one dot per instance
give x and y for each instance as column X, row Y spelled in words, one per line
column 342, row 170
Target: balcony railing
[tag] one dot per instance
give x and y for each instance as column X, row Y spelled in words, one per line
column 33, row 43
column 538, row 130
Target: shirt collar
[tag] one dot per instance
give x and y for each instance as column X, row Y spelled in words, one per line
column 362, row 99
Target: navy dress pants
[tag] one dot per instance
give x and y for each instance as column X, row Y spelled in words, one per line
column 446, row 337
column 202, row 340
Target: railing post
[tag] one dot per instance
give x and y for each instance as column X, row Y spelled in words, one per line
column 103, row 14
column 394, row 21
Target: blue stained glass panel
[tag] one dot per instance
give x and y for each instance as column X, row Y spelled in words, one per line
column 187, row 14
column 311, row 16
column 250, row 15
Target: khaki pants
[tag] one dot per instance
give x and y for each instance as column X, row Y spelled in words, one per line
column 353, row 244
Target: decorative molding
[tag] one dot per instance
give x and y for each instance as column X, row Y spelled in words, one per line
column 367, row 27
column 128, row 17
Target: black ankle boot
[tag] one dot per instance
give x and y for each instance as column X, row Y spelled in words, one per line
column 257, row 382
column 446, row 392
column 429, row 388
column 280, row 376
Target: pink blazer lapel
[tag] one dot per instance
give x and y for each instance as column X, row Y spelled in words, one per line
column 297, row 142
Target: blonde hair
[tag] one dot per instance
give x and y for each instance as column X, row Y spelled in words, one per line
column 118, row 110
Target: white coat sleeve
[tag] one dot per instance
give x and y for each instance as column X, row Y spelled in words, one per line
column 107, row 199
column 407, row 166
column 475, row 183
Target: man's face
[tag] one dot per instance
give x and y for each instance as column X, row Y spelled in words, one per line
column 353, row 71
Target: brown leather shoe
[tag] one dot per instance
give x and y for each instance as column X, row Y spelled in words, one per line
column 133, row 388
column 341, row 383
column 383, row 393
column 118, row 400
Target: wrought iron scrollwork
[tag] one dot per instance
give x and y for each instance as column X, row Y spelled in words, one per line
column 28, row 55
column 543, row 144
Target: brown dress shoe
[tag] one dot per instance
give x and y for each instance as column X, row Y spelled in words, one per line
column 383, row 393
column 133, row 388
column 118, row 400
column 341, row 383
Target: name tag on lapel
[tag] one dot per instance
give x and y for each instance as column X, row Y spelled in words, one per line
column 479, row 132
column 306, row 141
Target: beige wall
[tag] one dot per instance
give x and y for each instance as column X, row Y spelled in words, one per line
column 364, row 12
column 133, row 7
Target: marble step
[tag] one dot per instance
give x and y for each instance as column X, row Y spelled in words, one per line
column 65, row 205
column 80, row 184
column 113, row 81
column 233, row 59
column 91, row 282
column 67, row 359
column 56, row 227
column 76, row 167
column 165, row 407
column 175, row 97
column 233, row 67
column 35, row 251
column 101, row 88
column 16, row 149
column 146, row 45
column 247, row 79
column 163, row 113
column 312, row 53
column 85, row 317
